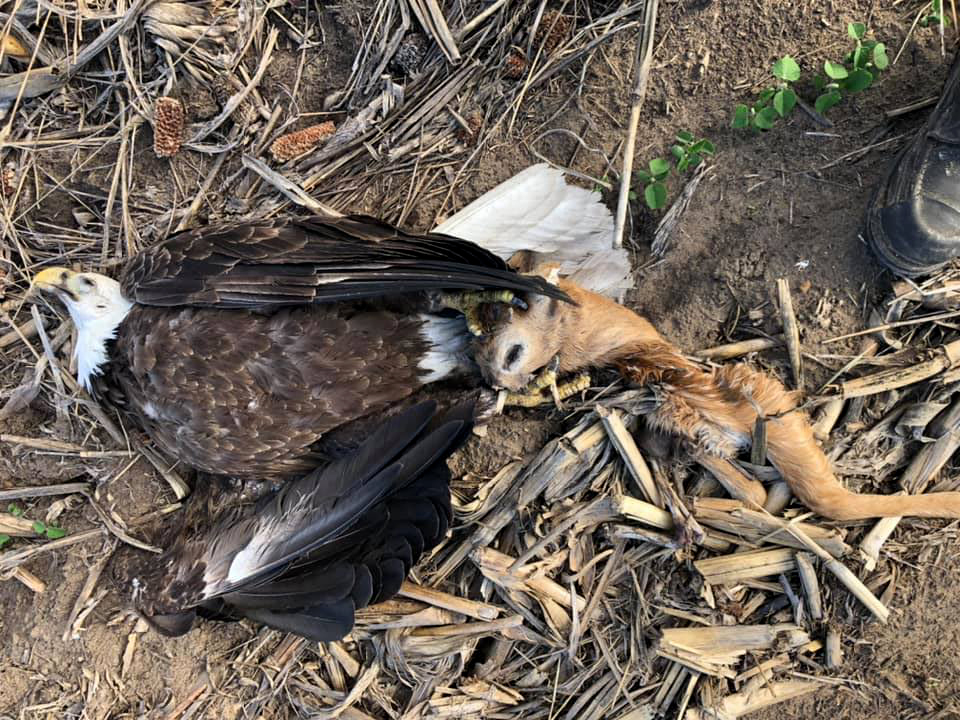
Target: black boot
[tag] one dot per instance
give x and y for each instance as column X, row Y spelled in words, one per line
column 913, row 219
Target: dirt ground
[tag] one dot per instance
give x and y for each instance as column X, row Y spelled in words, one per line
column 785, row 203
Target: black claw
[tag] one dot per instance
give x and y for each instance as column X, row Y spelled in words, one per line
column 519, row 303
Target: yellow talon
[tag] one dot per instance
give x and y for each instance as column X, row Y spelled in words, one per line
column 469, row 304
column 535, row 398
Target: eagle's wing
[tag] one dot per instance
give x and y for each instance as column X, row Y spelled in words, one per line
column 320, row 259
column 341, row 538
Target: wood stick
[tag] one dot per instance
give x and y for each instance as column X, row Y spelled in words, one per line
column 29, row 580
column 640, row 511
column 778, row 497
column 644, row 59
column 627, row 447
column 873, row 541
column 946, row 357
column 716, row 648
column 834, row 650
column 739, row 349
column 43, row 491
column 735, row 481
column 23, row 332
column 827, row 417
column 925, row 466
column 739, row 704
column 462, row 606
column 730, row 516
column 731, row 569
column 16, row 526
column 791, row 331
column 811, row 586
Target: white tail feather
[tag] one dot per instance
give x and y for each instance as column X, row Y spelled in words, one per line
column 537, row 211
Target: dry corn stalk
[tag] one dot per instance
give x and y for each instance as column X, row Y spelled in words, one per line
column 753, row 699
column 714, row 650
column 11, row 47
column 732, row 569
column 753, row 526
column 16, row 526
column 168, row 125
column 945, row 357
column 293, row 145
column 197, row 34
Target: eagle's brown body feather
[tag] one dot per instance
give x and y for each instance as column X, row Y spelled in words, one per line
column 248, row 393
column 244, row 344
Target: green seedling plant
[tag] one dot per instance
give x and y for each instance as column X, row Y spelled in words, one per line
column 51, row 532
column 654, row 191
column 855, row 74
column 688, row 152
column 935, row 16
column 773, row 102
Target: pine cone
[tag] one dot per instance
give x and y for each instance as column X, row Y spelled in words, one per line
column 8, row 182
column 168, row 124
column 515, row 66
column 286, row 147
column 553, row 30
column 468, row 135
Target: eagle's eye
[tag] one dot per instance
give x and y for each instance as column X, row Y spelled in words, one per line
column 512, row 356
column 87, row 281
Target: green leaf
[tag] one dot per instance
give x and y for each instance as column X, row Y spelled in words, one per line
column 655, row 195
column 684, row 137
column 4, row 539
column 683, row 164
column 39, row 528
column 643, row 176
column 55, row 533
column 858, row 80
column 659, row 168
column 834, row 70
column 880, row 59
column 765, row 118
column 15, row 510
column 678, row 152
column 786, row 69
column 741, row 116
column 860, row 58
column 827, row 101
column 856, row 30
column 694, row 160
column 704, row 147
column 784, row 101
column 766, row 96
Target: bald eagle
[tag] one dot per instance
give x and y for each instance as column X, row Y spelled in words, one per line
column 303, row 558
column 236, row 348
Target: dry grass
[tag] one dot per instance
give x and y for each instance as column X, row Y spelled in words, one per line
column 578, row 585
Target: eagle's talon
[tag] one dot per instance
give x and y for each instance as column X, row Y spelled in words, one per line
column 558, row 393
column 469, row 303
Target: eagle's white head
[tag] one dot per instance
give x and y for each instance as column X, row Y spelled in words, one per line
column 97, row 308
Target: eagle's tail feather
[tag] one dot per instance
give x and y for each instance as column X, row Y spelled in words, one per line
column 321, row 552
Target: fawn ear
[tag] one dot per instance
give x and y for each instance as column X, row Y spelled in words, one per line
column 548, row 271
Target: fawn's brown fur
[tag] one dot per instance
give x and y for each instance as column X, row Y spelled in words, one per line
column 715, row 410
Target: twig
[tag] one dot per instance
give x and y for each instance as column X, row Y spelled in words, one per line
column 643, row 59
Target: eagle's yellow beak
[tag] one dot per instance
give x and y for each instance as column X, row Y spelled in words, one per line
column 53, row 278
